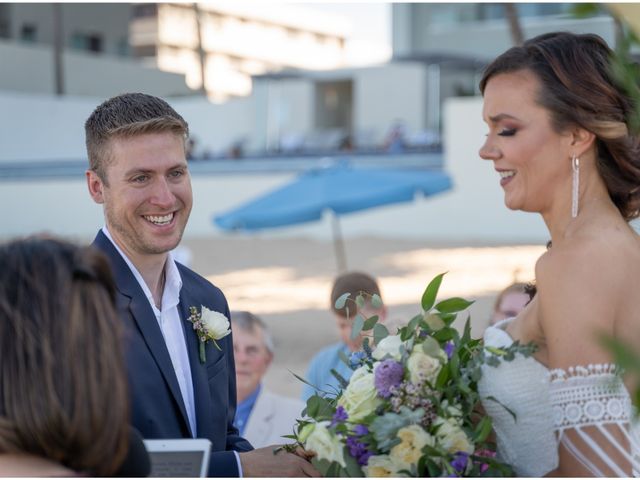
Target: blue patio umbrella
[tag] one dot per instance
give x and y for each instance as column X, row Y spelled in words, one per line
column 339, row 188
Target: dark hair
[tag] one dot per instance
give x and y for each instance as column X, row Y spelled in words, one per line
column 578, row 89
column 353, row 283
column 63, row 392
column 128, row 115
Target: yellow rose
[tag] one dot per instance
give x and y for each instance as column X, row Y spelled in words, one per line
column 452, row 437
column 423, row 367
column 409, row 450
column 381, row 466
column 360, row 398
column 326, row 445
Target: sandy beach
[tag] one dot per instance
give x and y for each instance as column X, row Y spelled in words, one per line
column 287, row 282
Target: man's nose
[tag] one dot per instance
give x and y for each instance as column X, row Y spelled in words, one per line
column 162, row 194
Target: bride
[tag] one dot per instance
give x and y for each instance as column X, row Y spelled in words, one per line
column 559, row 139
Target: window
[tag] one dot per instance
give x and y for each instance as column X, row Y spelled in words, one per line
column 142, row 10
column 28, row 33
column 88, row 42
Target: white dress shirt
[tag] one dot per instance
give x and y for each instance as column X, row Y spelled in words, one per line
column 168, row 318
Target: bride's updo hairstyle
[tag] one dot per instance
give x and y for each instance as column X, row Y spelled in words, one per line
column 578, row 89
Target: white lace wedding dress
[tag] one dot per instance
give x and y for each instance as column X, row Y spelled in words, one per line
column 586, row 410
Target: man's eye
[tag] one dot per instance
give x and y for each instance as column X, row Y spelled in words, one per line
column 177, row 173
column 140, row 178
column 507, row 132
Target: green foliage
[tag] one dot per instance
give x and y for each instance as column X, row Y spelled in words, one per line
column 431, row 292
column 341, row 301
column 437, row 385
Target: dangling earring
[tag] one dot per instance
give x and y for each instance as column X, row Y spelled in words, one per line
column 575, row 191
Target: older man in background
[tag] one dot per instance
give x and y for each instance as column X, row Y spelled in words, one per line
column 262, row 416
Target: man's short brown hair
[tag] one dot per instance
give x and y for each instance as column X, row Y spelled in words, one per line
column 128, row 115
column 354, row 283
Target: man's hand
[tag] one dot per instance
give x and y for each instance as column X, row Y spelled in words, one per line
column 272, row 462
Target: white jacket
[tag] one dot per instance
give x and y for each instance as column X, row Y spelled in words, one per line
column 271, row 417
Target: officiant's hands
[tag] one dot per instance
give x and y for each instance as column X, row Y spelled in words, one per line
column 275, row 462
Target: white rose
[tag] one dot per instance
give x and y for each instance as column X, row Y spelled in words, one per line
column 360, row 398
column 216, row 325
column 381, row 466
column 326, row 445
column 451, row 436
column 389, row 345
column 409, row 450
column 423, row 367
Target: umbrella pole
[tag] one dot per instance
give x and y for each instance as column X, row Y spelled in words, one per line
column 338, row 244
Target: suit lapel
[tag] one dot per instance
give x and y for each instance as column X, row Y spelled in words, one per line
column 200, row 382
column 145, row 319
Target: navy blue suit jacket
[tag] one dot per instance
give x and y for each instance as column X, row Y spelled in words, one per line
column 158, row 410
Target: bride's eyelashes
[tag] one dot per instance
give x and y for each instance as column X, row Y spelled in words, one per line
column 507, row 132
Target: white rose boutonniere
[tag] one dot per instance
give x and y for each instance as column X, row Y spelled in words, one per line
column 209, row 326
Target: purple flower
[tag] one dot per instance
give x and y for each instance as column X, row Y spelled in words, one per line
column 388, row 374
column 358, row 450
column 340, row 416
column 360, row 430
column 448, row 349
column 459, row 462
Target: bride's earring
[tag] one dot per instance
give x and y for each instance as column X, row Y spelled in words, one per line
column 575, row 191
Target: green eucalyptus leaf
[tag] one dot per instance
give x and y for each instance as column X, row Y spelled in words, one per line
column 352, row 469
column 453, row 305
column 414, row 322
column 434, row 321
column 344, row 358
column 360, row 301
column 370, row 323
column 431, row 347
column 431, row 292
column 380, row 332
column 341, row 301
column 376, row 301
column 356, row 328
column 323, row 466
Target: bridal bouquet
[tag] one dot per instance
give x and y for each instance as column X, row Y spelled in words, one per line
column 409, row 406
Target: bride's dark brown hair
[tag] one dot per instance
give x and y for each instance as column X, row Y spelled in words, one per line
column 578, row 89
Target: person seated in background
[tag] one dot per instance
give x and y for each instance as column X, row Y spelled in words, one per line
column 319, row 372
column 63, row 394
column 510, row 302
column 262, row 417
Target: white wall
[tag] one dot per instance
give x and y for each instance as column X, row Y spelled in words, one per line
column 473, row 211
column 394, row 91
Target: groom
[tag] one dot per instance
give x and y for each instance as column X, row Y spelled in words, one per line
column 138, row 172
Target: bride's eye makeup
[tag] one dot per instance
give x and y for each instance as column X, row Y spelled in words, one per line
column 507, row 132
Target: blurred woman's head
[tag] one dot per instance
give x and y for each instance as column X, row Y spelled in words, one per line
column 63, row 393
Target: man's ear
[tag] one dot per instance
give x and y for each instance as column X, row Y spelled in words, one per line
column 95, row 186
column 582, row 141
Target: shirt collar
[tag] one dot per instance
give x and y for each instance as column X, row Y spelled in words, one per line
column 173, row 281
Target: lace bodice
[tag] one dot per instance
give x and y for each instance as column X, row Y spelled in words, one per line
column 527, row 442
column 584, row 410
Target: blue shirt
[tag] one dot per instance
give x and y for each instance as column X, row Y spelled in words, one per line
column 319, row 371
column 244, row 410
